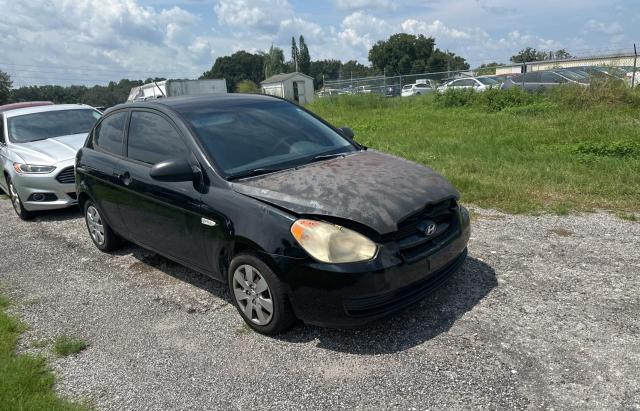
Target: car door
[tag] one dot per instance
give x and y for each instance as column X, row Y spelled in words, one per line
column 163, row 216
column 96, row 163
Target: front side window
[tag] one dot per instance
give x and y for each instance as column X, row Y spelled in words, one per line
column 47, row 124
column 153, row 139
column 273, row 134
column 110, row 132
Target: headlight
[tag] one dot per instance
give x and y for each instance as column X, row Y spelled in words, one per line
column 331, row 243
column 32, row 169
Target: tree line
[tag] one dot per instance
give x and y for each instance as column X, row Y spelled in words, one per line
column 400, row 54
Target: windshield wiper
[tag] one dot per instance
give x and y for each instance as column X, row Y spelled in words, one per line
column 254, row 172
column 327, row 157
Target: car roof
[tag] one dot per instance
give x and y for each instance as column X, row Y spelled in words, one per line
column 23, row 104
column 44, row 108
column 212, row 100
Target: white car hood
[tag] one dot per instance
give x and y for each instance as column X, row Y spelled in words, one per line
column 50, row 151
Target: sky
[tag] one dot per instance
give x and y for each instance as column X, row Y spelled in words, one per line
column 94, row 41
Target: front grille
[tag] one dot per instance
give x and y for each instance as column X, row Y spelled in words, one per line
column 413, row 242
column 66, row 176
column 386, row 303
column 73, row 196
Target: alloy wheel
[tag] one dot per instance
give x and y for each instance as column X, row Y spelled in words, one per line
column 252, row 294
column 15, row 199
column 94, row 222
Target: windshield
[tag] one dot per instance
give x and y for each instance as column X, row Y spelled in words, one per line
column 47, row 124
column 273, row 135
column 488, row 81
column 571, row 75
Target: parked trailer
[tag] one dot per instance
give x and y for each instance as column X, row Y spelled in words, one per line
column 169, row 88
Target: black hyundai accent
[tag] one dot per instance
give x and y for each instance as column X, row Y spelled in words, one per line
column 299, row 220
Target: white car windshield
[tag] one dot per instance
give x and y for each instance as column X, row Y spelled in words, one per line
column 48, row 124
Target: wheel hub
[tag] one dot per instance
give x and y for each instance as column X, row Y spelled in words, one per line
column 252, row 294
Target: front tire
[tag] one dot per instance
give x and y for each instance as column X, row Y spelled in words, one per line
column 101, row 234
column 259, row 295
column 18, row 207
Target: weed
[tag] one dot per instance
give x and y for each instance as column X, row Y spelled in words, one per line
column 26, row 382
column 562, row 232
column 627, row 216
column 65, row 346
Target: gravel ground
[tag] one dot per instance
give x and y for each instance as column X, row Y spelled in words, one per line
column 544, row 314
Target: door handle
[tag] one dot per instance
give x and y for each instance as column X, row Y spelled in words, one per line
column 124, row 177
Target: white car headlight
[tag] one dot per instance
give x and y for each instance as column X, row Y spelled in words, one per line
column 32, row 169
column 331, row 243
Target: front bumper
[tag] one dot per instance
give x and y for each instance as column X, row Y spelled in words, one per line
column 352, row 295
column 29, row 184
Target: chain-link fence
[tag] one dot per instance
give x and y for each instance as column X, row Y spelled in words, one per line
column 623, row 66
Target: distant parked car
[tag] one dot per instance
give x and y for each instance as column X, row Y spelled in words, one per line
column 471, row 83
column 416, row 89
column 538, row 80
column 38, row 145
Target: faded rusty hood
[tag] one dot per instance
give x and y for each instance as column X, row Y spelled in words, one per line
column 369, row 187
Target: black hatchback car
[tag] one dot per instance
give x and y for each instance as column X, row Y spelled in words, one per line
column 299, row 220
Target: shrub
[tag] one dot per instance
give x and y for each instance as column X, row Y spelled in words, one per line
column 492, row 100
column 247, row 86
column 455, row 98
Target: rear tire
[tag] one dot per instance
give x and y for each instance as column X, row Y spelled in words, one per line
column 16, row 202
column 259, row 295
column 101, row 234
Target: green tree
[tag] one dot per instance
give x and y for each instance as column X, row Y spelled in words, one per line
column 324, row 69
column 529, row 54
column 273, row 62
column 488, row 69
column 295, row 55
column 400, row 52
column 5, row 87
column 445, row 61
column 354, row 69
column 239, row 66
column 304, row 58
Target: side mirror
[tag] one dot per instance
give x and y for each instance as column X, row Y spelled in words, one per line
column 347, row 132
column 175, row 170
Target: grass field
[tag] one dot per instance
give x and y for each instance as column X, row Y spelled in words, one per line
column 26, row 383
column 538, row 153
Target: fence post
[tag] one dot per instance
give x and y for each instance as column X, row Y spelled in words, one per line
column 635, row 66
column 524, row 71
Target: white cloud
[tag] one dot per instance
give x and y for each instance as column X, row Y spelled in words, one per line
column 369, row 5
column 611, row 29
column 247, row 15
column 109, row 40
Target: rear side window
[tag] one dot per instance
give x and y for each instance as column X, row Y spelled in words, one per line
column 153, row 139
column 108, row 135
column 2, row 141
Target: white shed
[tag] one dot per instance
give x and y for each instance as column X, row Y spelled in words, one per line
column 295, row 86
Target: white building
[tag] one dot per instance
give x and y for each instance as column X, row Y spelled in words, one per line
column 624, row 60
column 295, row 86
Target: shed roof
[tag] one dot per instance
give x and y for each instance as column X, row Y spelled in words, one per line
column 279, row 78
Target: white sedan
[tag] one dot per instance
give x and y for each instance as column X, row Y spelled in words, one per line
column 471, row 83
column 416, row 89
